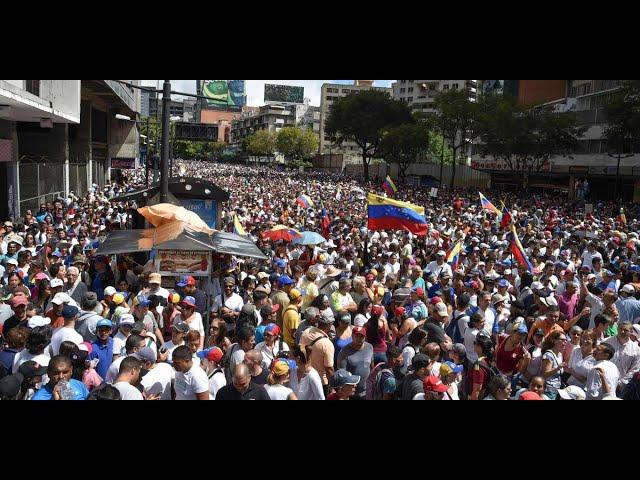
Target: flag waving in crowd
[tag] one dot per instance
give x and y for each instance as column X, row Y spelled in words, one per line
column 506, row 217
column 326, row 221
column 487, row 205
column 453, row 256
column 305, row 201
column 389, row 186
column 237, row 226
column 517, row 250
column 388, row 214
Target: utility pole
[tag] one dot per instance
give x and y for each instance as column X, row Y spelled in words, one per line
column 164, row 160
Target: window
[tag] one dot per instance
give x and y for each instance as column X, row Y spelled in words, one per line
column 409, row 99
column 410, row 90
column 445, row 87
column 33, row 86
column 402, row 90
column 454, row 86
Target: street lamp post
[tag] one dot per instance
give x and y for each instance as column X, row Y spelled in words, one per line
column 164, row 160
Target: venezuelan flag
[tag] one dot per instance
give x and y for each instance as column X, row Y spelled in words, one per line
column 389, row 186
column 453, row 256
column 389, row 214
column 517, row 250
column 487, row 205
column 305, row 201
column 506, row 217
column 237, row 226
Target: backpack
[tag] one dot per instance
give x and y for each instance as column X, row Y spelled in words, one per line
column 226, row 361
column 375, row 380
column 453, row 330
column 491, row 371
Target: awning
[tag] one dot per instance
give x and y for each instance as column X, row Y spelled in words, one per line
column 126, row 241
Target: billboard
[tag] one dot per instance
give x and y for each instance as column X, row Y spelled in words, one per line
column 224, row 93
column 283, row 94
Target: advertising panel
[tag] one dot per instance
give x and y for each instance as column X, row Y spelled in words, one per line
column 283, row 94
column 206, row 209
column 184, row 262
column 224, row 93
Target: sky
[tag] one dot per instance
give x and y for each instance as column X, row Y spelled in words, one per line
column 255, row 88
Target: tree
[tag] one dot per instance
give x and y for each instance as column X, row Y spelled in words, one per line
column 296, row 144
column 361, row 117
column 524, row 139
column 262, row 144
column 404, row 145
column 213, row 149
column 456, row 119
column 623, row 123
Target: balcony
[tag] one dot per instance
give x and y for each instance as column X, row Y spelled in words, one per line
column 123, row 92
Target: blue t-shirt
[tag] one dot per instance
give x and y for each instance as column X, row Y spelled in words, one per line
column 104, row 353
column 80, row 392
column 259, row 336
column 96, row 285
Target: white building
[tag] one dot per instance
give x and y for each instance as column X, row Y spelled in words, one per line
column 420, row 94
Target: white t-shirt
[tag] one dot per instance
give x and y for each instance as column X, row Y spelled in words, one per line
column 233, row 303
column 216, row 382
column 114, row 369
column 594, row 388
column 310, row 387
column 587, row 258
column 469, row 343
column 24, row 356
column 62, row 335
column 437, row 269
column 158, row 381
column 190, row 383
column 194, row 322
column 119, row 341
column 489, row 319
column 408, row 352
column 278, row 392
column 268, row 355
column 170, row 346
column 128, row 391
column 161, row 292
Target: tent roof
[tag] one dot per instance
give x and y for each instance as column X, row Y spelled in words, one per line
column 124, row 241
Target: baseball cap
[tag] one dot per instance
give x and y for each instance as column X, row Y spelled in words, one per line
column 537, row 286
column 497, row 298
column 38, row 321
column 69, row 311
column 377, row 310
column 109, row 291
column 521, row 328
column 60, row 298
column 419, row 361
column 549, row 301
column 213, row 354
column 418, row 291
column 105, row 322
column 286, row 280
column 628, row 289
column 528, row 395
column 435, row 300
column 471, row 284
column 294, row 293
column 433, row 383
column 262, row 275
column 56, row 282
column 503, row 283
column 572, row 392
column 180, row 326
column 146, row 354
column 441, row 253
column 447, row 368
column 174, row 298
column 342, row 377
column 280, row 263
column 459, row 349
column 155, row 278
column 188, row 301
column 441, row 309
column 19, row 300
column 273, row 329
column 280, row 367
column 118, row 298
column 126, row 319
column 325, row 320
column 359, row 331
column 399, row 311
column 186, row 280
column 445, row 274
column 31, row 369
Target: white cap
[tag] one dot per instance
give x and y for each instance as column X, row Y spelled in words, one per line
column 549, row 301
column 38, row 321
column 126, row 319
column 56, row 282
column 628, row 289
column 441, row 308
column 572, row 392
column 441, row 253
column 110, row 291
column 60, row 298
column 590, row 276
column 537, row 286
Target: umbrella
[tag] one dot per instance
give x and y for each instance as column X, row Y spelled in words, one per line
column 164, row 213
column 281, row 232
column 309, row 238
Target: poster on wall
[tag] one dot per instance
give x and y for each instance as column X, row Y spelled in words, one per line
column 191, row 262
column 224, row 93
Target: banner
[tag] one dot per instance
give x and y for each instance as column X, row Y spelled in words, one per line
column 191, row 262
column 224, row 93
column 123, row 163
column 206, row 209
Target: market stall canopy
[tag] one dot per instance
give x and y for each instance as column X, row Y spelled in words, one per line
column 164, row 214
column 126, row 241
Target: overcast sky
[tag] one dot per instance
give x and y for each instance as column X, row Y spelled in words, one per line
column 255, row 88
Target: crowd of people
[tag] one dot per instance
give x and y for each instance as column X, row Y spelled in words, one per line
column 363, row 315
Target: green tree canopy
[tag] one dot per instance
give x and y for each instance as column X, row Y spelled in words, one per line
column 262, row 144
column 404, row 145
column 361, row 117
column 296, row 143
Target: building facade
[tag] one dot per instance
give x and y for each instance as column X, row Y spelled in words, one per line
column 330, row 92
column 58, row 136
column 420, row 94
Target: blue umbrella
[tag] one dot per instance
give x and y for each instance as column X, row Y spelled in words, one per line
column 309, row 238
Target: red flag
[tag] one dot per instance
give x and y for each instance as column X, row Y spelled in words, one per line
column 325, row 223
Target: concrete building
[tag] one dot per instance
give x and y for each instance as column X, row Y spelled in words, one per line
column 267, row 117
column 330, row 92
column 420, row 94
column 586, row 98
column 58, row 136
column 148, row 103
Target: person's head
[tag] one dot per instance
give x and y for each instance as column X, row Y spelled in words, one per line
column 60, row 368
column 432, row 350
column 103, row 330
column 345, row 383
column 279, row 373
column 358, row 336
column 134, row 343
column 241, row 378
column 602, row 322
column 17, row 338
column 553, row 314
column 500, row 387
column 458, row 353
column 484, row 347
column 344, row 285
column 182, row 358
column 603, row 351
column 218, row 329
column 259, row 298
column 193, row 340
column 421, row 365
column 537, row 385
column 105, row 392
column 130, row 369
column 89, row 301
column 484, row 300
column 394, row 357
column 476, row 320
column 253, row 360
column 555, row 341
column 246, row 337
column 624, row 331
column 575, row 333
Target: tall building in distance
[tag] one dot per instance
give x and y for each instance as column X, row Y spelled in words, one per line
column 420, row 94
column 226, row 101
column 330, row 92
